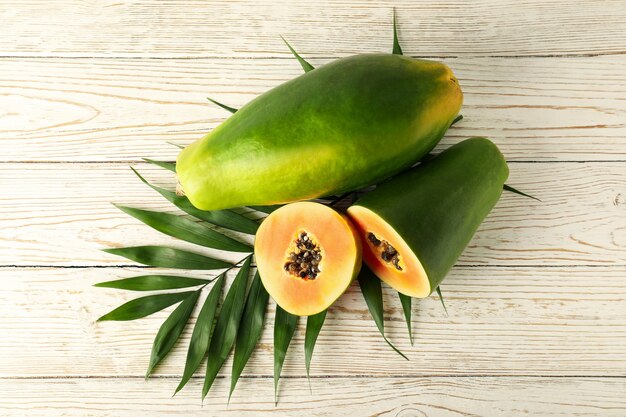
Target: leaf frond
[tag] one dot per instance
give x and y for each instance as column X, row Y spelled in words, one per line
column 224, row 106
column 397, row 50
column 303, row 63
column 516, row 191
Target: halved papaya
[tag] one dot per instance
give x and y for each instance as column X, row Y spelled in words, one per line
column 307, row 255
column 415, row 226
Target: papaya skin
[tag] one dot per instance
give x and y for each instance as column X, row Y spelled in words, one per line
column 432, row 210
column 343, row 126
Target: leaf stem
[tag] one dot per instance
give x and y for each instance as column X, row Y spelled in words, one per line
column 228, row 269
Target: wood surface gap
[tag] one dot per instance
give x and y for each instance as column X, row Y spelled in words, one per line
column 142, row 162
column 493, row 266
column 290, row 58
column 328, row 376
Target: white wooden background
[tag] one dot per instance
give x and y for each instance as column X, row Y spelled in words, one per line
column 537, row 304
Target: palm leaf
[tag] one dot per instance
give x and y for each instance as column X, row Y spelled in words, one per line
column 223, row 218
column 165, row 257
column 249, row 329
column 170, row 330
column 284, row 328
column 144, row 306
column 226, row 326
column 314, row 325
column 185, row 229
column 176, row 144
column 201, row 335
column 153, row 283
column 438, row 289
column 406, row 308
column 372, row 292
column 303, row 63
column 224, row 106
column 397, row 50
column 266, row 209
column 170, row 166
column 513, row 190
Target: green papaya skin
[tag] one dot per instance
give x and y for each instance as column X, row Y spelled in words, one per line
column 337, row 128
column 437, row 206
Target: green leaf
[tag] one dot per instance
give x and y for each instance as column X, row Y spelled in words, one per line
column 226, row 327
column 249, row 329
column 144, row 306
column 224, row 106
column 171, row 166
column 175, row 144
column 266, row 209
column 406, row 307
column 165, row 257
column 284, row 328
column 185, row 229
column 170, row 331
column 373, row 294
column 201, row 335
column 396, row 45
column 303, row 63
column 441, row 299
column 314, row 325
column 223, row 218
column 513, row 190
column 153, row 283
column 457, row 119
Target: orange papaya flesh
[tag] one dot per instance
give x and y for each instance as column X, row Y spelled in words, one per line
column 307, row 255
column 415, row 226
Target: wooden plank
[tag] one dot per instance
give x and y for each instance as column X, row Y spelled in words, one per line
column 60, row 214
column 117, row 109
column 502, row 321
column 386, row 397
column 322, row 28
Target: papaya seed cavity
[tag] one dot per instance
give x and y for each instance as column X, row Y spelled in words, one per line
column 304, row 257
column 387, row 252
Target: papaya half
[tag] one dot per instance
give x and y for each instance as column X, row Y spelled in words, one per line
column 343, row 126
column 415, row 226
column 307, row 255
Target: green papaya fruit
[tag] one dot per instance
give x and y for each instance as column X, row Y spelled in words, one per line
column 415, row 226
column 337, row 128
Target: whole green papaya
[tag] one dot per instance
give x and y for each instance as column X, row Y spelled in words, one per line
column 337, row 128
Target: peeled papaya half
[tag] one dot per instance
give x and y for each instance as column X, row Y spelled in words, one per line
column 415, row 226
column 339, row 127
column 307, row 255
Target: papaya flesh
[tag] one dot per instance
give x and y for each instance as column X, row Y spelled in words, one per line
column 307, row 255
column 343, row 126
column 415, row 226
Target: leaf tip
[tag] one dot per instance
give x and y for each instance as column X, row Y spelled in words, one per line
column 138, row 175
column 397, row 50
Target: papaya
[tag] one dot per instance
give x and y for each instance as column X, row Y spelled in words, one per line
column 307, row 255
column 415, row 226
column 343, row 126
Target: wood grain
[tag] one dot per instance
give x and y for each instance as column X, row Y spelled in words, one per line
column 537, row 304
column 503, row 321
column 384, row 397
column 321, row 28
column 118, row 109
column 60, row 214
